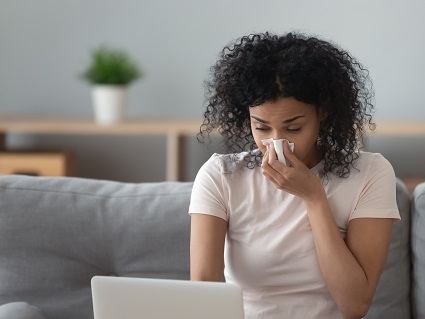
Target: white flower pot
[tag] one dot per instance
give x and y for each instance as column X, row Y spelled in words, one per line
column 109, row 103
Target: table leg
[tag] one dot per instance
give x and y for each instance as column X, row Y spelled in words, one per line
column 176, row 151
column 2, row 141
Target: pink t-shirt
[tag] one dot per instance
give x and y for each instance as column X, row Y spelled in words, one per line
column 269, row 249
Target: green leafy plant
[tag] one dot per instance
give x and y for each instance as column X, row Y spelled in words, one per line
column 111, row 67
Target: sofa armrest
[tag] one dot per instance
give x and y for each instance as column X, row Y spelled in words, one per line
column 20, row 310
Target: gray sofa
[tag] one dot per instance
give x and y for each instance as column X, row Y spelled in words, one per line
column 57, row 233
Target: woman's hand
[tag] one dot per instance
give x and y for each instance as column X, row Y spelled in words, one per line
column 296, row 178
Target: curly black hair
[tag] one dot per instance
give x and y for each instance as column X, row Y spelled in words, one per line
column 264, row 67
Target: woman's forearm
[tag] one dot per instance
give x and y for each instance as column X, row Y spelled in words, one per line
column 346, row 280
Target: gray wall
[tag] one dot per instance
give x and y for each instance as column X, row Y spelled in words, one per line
column 45, row 44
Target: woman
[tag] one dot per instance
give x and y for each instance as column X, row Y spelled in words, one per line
column 308, row 239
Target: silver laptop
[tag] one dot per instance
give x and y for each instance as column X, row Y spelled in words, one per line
column 139, row 298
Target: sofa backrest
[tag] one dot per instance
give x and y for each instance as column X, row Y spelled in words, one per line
column 418, row 252
column 392, row 297
column 57, row 233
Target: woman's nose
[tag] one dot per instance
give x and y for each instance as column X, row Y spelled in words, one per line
column 277, row 136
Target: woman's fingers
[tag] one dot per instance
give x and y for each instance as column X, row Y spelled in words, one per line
column 265, row 156
column 290, row 178
column 290, row 157
column 272, row 168
column 272, row 153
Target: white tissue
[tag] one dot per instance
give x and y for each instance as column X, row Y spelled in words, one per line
column 278, row 146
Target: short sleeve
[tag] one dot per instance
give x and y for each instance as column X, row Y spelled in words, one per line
column 207, row 193
column 378, row 197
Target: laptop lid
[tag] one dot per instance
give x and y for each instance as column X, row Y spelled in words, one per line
column 141, row 298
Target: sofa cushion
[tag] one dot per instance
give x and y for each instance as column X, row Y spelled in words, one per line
column 57, row 233
column 418, row 251
column 20, row 310
column 392, row 297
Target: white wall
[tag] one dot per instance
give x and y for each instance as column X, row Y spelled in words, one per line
column 45, row 44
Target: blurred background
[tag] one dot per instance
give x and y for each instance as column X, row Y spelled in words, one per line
column 46, row 44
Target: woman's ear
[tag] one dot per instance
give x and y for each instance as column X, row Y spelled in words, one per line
column 322, row 114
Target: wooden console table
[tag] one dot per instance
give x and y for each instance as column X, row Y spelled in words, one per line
column 399, row 128
column 174, row 130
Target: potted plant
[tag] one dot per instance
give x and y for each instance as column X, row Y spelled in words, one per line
column 110, row 72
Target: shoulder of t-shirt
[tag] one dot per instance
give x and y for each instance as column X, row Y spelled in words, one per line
column 371, row 168
column 212, row 167
column 373, row 162
column 377, row 189
column 228, row 163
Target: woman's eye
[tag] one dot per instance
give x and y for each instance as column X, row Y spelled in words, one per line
column 293, row 129
column 261, row 129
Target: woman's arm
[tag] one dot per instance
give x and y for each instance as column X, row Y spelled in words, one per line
column 207, row 238
column 351, row 269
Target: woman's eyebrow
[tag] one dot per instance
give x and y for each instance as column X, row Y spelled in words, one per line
column 260, row 120
column 292, row 119
column 284, row 122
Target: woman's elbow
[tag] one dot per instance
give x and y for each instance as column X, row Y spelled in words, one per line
column 357, row 311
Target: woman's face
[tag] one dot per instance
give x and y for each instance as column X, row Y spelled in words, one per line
column 290, row 119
